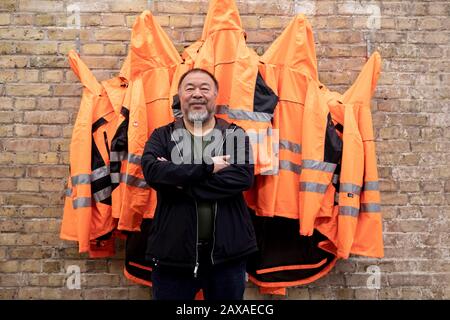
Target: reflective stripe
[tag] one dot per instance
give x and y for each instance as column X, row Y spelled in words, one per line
column 270, row 172
column 318, row 165
column 134, row 158
column 350, row 187
column 336, row 197
column 370, row 207
column 68, row 192
column 134, row 181
column 81, row 203
column 348, row 211
column 102, row 194
column 371, row 185
column 118, row 155
column 177, row 113
column 291, row 146
column 335, row 179
column 288, row 165
column 115, row 177
column 81, row 179
column 243, row 114
column 100, row 173
column 313, row 187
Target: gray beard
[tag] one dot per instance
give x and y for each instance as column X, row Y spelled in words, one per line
column 199, row 116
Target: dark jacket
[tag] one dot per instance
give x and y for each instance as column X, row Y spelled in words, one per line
column 173, row 238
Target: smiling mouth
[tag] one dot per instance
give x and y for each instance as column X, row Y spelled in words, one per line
column 197, row 105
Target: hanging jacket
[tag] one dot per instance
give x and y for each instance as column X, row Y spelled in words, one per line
column 87, row 210
column 243, row 97
column 359, row 230
column 153, row 61
column 119, row 143
column 286, row 66
column 287, row 258
column 338, row 187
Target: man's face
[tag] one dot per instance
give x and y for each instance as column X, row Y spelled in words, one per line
column 197, row 95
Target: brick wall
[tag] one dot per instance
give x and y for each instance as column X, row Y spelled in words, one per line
column 39, row 99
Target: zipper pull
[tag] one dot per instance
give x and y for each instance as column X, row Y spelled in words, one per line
column 195, row 270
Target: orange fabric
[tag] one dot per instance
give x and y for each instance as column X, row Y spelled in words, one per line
column 355, row 226
column 368, row 239
column 284, row 284
column 352, row 171
column 136, row 279
column 134, row 264
column 222, row 50
column 154, row 60
column 273, row 291
column 295, row 267
column 314, row 131
column 286, row 67
column 87, row 214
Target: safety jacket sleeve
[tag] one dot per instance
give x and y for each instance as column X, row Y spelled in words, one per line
column 158, row 172
column 231, row 180
column 321, row 149
column 351, row 180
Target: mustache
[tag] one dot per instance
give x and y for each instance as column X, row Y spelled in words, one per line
column 197, row 102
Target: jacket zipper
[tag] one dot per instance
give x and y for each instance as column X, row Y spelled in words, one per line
column 215, row 203
column 196, row 244
column 214, row 232
column 196, row 212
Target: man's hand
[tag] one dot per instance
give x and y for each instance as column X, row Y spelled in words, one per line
column 220, row 162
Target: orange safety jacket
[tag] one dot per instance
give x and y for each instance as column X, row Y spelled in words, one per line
column 87, row 211
column 153, row 61
column 243, row 98
column 119, row 143
column 319, row 201
column 286, row 258
column 355, row 225
column 286, row 66
column 339, row 197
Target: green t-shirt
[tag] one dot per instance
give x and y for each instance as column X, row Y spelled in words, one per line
column 205, row 209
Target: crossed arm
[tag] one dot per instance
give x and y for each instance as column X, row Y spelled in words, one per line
column 214, row 181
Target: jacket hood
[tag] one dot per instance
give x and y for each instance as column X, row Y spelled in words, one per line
column 294, row 48
column 150, row 46
column 83, row 73
column 364, row 86
column 222, row 15
column 126, row 68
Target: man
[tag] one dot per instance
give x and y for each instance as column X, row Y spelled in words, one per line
column 202, row 230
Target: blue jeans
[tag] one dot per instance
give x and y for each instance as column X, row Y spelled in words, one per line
column 225, row 281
